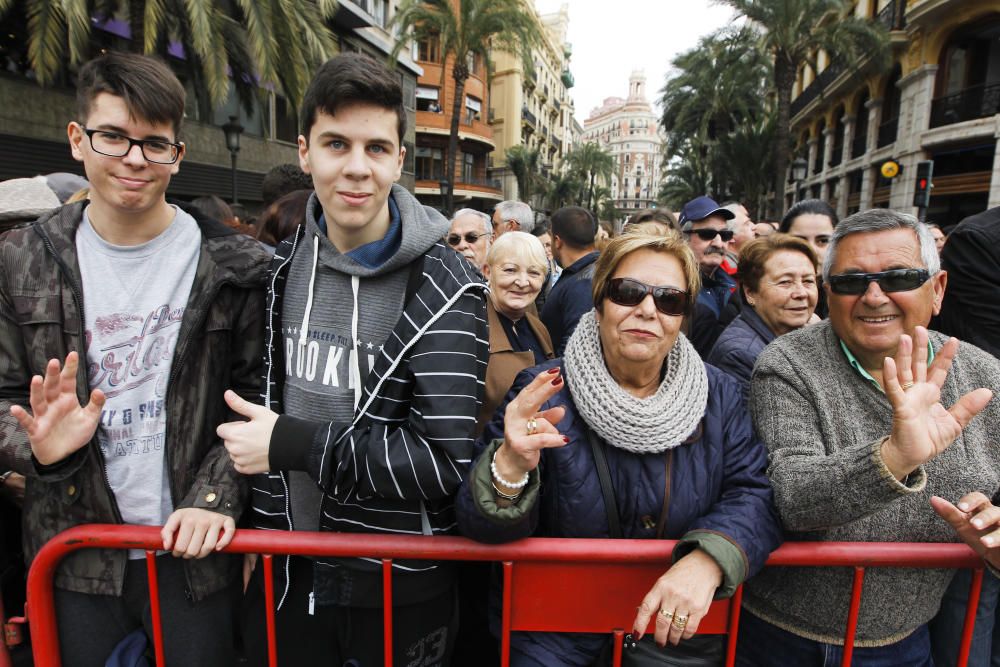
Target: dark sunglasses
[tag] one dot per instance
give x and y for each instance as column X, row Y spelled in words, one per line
column 896, row 280
column 629, row 292
column 470, row 238
column 709, row 234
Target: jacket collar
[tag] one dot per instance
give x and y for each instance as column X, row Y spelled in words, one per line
column 756, row 324
column 500, row 343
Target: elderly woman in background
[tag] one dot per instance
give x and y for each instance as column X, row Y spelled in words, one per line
column 516, row 267
column 633, row 397
column 470, row 235
column 777, row 276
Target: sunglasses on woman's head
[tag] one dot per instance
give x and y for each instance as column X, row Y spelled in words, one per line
column 709, row 234
column 630, row 292
column 470, row 238
column 895, row 280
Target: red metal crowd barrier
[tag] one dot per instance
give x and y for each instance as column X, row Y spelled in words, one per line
column 557, row 585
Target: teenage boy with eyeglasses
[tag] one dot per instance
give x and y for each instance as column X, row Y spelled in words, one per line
column 377, row 356
column 155, row 313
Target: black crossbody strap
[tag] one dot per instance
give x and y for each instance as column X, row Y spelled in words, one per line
column 608, row 491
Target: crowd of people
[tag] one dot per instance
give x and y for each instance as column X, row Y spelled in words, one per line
column 353, row 361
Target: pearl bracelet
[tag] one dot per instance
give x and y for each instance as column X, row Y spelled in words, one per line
column 510, row 485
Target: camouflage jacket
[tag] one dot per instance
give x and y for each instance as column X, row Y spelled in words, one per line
column 219, row 347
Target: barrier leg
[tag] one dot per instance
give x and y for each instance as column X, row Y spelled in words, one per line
column 852, row 616
column 4, row 650
column 508, row 574
column 272, row 633
column 387, row 610
column 734, row 625
column 970, row 617
column 154, row 606
column 616, row 656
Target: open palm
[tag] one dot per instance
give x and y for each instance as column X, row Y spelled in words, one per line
column 58, row 425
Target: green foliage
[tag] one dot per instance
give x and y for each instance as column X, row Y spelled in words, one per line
column 524, row 163
column 589, row 162
column 466, row 28
column 275, row 41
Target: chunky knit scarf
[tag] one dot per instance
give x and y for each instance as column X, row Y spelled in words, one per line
column 640, row 425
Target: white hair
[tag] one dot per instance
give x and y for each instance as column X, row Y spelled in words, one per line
column 520, row 247
column 485, row 219
column 882, row 220
column 519, row 211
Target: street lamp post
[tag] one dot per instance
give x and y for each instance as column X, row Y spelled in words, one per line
column 799, row 167
column 445, row 191
column 233, row 131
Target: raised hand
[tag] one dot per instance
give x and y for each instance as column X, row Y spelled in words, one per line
column 58, row 425
column 524, row 439
column 922, row 428
column 977, row 522
column 248, row 442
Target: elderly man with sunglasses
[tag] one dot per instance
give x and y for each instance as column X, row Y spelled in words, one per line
column 878, row 431
column 470, row 235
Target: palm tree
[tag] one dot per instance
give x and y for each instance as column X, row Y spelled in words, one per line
column 687, row 177
column 745, row 156
column 589, row 162
column 464, row 29
column 524, row 163
column 793, row 32
column 242, row 41
column 562, row 190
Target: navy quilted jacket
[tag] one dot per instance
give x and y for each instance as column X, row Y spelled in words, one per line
column 738, row 347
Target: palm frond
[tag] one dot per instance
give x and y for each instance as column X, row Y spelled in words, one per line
column 47, row 25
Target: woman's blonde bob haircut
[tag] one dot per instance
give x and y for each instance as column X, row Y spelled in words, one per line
column 622, row 246
column 520, row 247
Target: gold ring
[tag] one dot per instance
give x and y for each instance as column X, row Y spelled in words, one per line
column 667, row 614
column 907, row 385
column 532, row 426
column 680, row 621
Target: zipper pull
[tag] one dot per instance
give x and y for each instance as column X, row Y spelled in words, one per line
column 312, row 603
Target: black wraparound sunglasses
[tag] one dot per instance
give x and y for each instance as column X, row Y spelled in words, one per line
column 709, row 234
column 630, row 292
column 470, row 238
column 896, row 280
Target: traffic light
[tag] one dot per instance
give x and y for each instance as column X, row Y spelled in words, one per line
column 925, row 177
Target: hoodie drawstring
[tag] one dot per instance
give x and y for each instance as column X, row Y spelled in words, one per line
column 309, row 296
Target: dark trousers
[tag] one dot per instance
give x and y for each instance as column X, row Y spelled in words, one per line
column 195, row 634
column 946, row 627
column 423, row 633
column 762, row 644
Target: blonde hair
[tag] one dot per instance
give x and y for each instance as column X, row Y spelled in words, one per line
column 520, row 247
column 622, row 246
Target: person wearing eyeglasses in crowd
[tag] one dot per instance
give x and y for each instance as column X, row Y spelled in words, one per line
column 470, row 235
column 512, row 216
column 705, row 226
column 630, row 402
column 778, row 288
column 878, row 430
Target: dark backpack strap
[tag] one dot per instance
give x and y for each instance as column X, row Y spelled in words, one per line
column 608, row 491
column 415, row 278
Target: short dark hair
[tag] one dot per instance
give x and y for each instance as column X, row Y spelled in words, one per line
column 283, row 179
column 575, row 226
column 542, row 228
column 214, row 207
column 280, row 219
column 804, row 207
column 148, row 86
column 352, row 78
column 660, row 215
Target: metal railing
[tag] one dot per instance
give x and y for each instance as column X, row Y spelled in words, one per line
column 974, row 102
column 528, row 116
column 813, row 90
column 549, row 584
column 893, row 15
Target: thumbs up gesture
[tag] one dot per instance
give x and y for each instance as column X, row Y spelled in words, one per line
column 248, row 442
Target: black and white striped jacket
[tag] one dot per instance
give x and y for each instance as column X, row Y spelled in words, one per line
column 396, row 467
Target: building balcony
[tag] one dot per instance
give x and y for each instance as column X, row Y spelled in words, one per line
column 567, row 78
column 893, row 15
column 813, row 90
column 528, row 120
column 974, row 102
column 887, row 132
column 557, row 104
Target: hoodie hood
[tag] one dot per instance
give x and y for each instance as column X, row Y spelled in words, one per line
column 422, row 227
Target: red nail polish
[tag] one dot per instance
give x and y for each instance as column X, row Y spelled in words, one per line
column 553, row 370
column 565, row 440
column 557, row 382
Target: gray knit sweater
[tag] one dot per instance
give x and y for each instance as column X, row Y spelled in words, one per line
column 823, row 425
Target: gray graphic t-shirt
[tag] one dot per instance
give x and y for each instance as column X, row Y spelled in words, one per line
column 134, row 301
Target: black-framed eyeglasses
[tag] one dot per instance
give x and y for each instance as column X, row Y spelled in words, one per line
column 895, row 280
column 709, row 234
column 114, row 144
column 470, row 238
column 631, row 292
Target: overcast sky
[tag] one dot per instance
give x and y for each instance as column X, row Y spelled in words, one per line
column 610, row 39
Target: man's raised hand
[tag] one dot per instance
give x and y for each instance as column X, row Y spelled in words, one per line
column 58, row 425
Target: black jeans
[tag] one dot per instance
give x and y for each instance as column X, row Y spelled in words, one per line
column 195, row 634
column 423, row 633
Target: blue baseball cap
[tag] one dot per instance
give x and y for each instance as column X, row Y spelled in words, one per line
column 700, row 208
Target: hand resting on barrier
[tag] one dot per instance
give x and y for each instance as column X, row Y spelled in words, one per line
column 685, row 592
column 977, row 522
column 193, row 532
column 58, row 425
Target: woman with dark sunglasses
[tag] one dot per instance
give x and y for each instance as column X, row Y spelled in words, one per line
column 630, row 403
column 780, row 289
